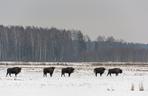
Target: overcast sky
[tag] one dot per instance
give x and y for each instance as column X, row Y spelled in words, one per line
column 125, row 19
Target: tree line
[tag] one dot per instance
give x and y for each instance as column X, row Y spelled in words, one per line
column 18, row 43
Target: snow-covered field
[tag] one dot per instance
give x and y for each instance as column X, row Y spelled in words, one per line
column 30, row 82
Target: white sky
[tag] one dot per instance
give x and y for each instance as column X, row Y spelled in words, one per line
column 125, row 19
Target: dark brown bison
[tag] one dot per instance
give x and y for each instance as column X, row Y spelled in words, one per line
column 68, row 70
column 114, row 71
column 13, row 70
column 49, row 70
column 99, row 70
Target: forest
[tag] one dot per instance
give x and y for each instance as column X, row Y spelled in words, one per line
column 30, row 43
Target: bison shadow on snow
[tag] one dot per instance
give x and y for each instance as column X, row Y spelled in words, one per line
column 13, row 70
column 114, row 71
column 49, row 70
column 99, row 70
column 67, row 70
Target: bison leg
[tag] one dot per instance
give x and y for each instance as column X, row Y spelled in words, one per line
column 6, row 74
column 101, row 74
column 116, row 74
column 63, row 74
column 15, row 74
column 45, row 75
column 10, row 74
column 109, row 74
column 69, row 74
column 96, row 74
column 50, row 74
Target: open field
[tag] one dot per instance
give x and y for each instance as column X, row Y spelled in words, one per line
column 82, row 82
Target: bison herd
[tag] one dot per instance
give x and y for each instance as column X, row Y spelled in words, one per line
column 68, row 70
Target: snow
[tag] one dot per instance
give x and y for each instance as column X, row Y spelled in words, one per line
column 30, row 82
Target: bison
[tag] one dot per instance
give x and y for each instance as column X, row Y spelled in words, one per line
column 68, row 70
column 99, row 70
column 13, row 70
column 49, row 70
column 114, row 71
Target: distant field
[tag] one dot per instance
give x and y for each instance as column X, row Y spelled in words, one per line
column 136, row 66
